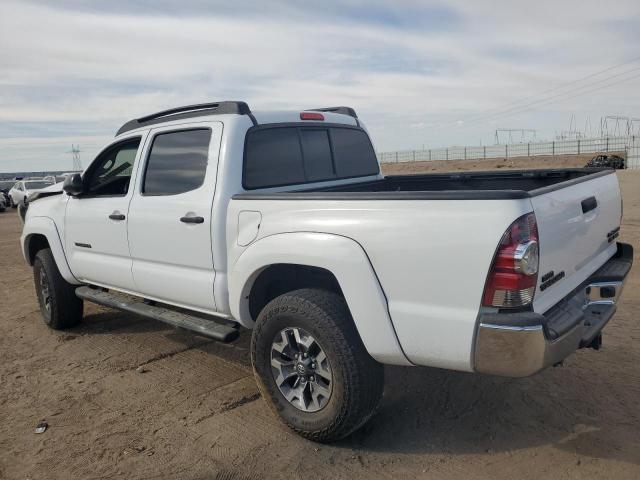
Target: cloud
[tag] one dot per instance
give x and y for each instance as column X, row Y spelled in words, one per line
column 78, row 70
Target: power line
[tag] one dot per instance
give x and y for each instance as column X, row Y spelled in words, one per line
column 542, row 102
column 604, row 83
column 561, row 86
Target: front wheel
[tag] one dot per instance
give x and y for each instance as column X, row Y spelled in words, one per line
column 311, row 365
column 22, row 211
column 59, row 305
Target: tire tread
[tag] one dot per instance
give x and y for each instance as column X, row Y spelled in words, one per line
column 67, row 308
column 364, row 377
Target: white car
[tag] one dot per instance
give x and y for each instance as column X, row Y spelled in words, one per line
column 23, row 188
column 281, row 222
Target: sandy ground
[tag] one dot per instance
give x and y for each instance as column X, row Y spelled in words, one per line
column 195, row 412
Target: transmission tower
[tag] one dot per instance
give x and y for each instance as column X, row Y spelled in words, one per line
column 588, row 131
column 75, row 152
column 515, row 135
column 572, row 133
column 615, row 126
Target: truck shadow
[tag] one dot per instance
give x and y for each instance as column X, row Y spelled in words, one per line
column 436, row 411
column 432, row 411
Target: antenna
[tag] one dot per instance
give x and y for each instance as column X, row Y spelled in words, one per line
column 75, row 152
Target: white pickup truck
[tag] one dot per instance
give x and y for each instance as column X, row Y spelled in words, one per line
column 210, row 217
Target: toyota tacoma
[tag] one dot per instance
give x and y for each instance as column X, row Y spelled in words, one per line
column 212, row 217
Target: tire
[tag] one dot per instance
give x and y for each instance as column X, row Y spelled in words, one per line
column 22, row 211
column 356, row 383
column 59, row 305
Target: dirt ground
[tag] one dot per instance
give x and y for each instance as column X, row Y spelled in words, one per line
column 195, row 413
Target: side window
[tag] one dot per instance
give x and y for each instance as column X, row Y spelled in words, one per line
column 177, row 162
column 110, row 173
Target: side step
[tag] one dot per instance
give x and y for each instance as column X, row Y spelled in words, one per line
column 207, row 328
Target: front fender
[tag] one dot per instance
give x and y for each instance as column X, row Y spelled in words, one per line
column 47, row 227
column 346, row 260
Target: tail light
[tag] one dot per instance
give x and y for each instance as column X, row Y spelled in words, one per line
column 514, row 273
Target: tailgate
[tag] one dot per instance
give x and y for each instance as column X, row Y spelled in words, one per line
column 577, row 229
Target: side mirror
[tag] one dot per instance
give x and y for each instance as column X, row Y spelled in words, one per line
column 73, row 185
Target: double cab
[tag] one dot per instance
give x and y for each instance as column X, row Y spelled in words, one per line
column 213, row 217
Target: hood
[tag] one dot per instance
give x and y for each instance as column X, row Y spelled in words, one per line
column 55, row 189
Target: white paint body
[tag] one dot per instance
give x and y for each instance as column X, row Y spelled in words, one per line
column 412, row 271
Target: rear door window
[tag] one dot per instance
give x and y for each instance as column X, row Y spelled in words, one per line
column 177, row 162
column 294, row 155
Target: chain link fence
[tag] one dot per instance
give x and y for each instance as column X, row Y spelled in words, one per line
column 630, row 145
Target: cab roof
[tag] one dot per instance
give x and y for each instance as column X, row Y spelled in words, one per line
column 333, row 114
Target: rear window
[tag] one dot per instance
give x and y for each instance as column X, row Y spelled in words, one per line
column 279, row 156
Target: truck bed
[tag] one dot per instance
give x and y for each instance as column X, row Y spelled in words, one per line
column 431, row 240
column 529, row 181
column 509, row 184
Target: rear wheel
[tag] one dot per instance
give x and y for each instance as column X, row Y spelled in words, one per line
column 59, row 305
column 312, row 367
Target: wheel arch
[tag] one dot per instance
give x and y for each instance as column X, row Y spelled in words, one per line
column 39, row 233
column 316, row 260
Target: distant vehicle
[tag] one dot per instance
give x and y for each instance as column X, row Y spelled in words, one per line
column 63, row 176
column 3, row 203
column 22, row 188
column 51, row 178
column 607, row 161
column 5, row 186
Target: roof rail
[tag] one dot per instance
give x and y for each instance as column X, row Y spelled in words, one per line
column 188, row 111
column 343, row 110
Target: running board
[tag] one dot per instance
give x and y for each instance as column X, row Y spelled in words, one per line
column 207, row 328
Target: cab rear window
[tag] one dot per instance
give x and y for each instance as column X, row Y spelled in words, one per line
column 294, row 155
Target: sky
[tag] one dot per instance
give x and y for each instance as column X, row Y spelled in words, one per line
column 420, row 74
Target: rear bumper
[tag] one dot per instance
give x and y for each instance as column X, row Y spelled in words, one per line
column 521, row 344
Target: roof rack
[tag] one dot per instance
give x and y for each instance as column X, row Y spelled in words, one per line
column 188, row 111
column 343, row 110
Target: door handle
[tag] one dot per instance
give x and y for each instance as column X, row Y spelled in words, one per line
column 116, row 216
column 589, row 204
column 192, row 219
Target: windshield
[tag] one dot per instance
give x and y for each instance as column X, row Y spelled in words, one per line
column 37, row 185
